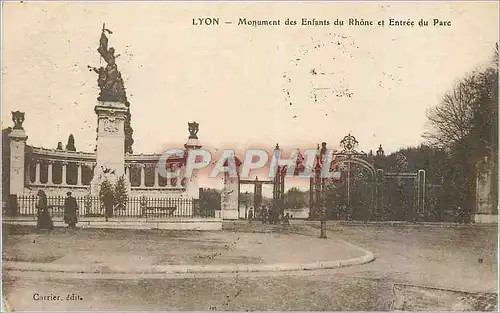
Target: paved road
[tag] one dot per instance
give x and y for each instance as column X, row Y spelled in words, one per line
column 437, row 256
column 455, row 257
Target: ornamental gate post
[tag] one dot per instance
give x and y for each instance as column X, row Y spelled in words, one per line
column 379, row 181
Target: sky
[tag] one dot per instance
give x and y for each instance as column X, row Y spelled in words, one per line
column 247, row 87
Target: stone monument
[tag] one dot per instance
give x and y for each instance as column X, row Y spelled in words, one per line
column 486, row 211
column 111, row 110
column 230, row 193
column 17, row 149
column 192, row 186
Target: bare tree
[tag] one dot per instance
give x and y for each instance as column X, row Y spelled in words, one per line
column 451, row 121
column 467, row 113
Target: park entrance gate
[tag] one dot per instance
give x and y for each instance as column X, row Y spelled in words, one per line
column 361, row 191
column 278, row 182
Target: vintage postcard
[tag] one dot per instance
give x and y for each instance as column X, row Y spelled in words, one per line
column 250, row 156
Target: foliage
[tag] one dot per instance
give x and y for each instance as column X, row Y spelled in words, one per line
column 296, row 199
column 114, row 196
column 210, row 199
column 465, row 124
column 359, row 206
column 59, row 146
column 87, row 204
column 106, row 193
column 424, row 157
column 70, row 146
column 451, row 121
column 129, row 140
column 120, row 194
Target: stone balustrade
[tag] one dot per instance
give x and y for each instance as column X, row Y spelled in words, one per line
column 154, row 157
column 67, row 155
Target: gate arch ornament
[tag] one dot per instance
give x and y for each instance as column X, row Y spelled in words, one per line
column 343, row 161
column 374, row 200
column 349, row 156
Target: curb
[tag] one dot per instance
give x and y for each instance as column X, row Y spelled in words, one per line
column 185, row 269
column 313, row 223
column 208, row 224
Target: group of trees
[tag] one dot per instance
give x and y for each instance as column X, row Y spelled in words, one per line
column 70, row 145
column 296, row 199
column 71, row 168
column 210, row 200
column 464, row 126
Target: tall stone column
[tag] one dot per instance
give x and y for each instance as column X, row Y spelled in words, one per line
column 64, row 180
column 17, row 149
column 143, row 175
column 155, row 184
column 485, row 210
column 38, row 170
column 110, row 153
column 128, row 168
column 193, row 143
column 229, row 197
column 49, row 172
column 79, row 181
column 191, row 183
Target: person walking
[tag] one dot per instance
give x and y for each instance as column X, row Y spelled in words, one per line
column 44, row 221
column 70, row 208
column 286, row 219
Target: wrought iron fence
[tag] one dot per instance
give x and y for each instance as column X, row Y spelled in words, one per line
column 144, row 207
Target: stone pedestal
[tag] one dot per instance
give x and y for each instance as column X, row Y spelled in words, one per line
column 485, row 204
column 229, row 198
column 17, row 148
column 192, row 185
column 110, row 153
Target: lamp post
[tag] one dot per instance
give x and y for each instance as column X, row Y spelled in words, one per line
column 323, row 210
column 321, row 188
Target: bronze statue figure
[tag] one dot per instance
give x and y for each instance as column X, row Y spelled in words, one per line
column 109, row 78
column 107, row 54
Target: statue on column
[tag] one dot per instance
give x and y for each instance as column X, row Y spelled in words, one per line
column 110, row 82
column 109, row 78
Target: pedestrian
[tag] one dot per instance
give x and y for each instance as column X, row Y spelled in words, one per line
column 70, row 209
column 250, row 214
column 286, row 219
column 44, row 221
